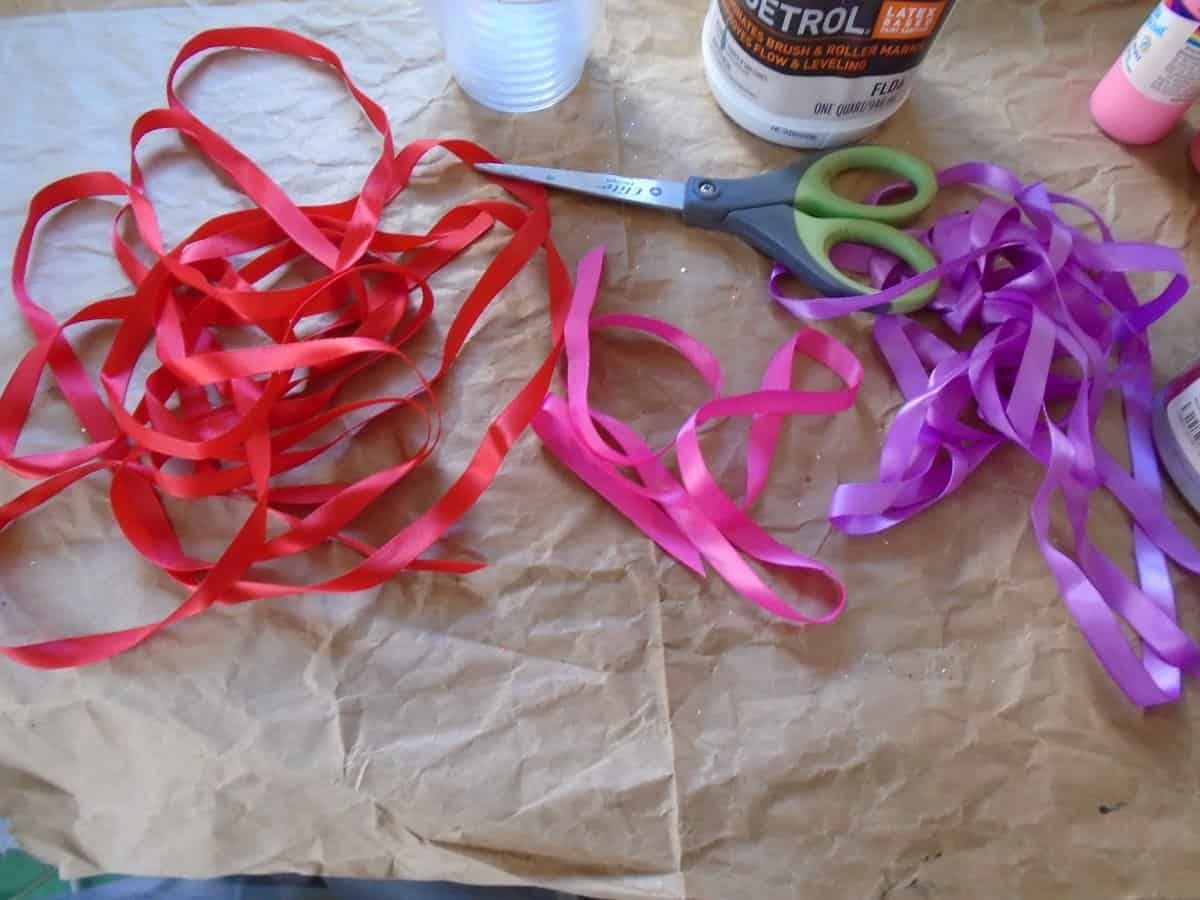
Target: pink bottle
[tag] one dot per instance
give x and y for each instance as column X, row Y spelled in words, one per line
column 1155, row 80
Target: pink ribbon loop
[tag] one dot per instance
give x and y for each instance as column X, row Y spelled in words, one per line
column 688, row 514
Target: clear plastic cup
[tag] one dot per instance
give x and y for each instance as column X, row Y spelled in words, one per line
column 516, row 55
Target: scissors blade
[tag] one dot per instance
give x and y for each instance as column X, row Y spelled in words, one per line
column 639, row 191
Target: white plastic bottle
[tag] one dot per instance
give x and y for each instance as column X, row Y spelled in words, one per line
column 816, row 73
column 516, row 55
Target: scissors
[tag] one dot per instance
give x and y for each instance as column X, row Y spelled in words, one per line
column 792, row 215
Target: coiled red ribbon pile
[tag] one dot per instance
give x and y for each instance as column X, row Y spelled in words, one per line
column 216, row 420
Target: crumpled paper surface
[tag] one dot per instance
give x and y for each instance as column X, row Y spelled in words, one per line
column 585, row 714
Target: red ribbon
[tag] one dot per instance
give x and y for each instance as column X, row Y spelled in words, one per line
column 219, row 421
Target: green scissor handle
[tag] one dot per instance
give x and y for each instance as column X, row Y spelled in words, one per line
column 820, row 236
column 816, row 196
column 795, row 216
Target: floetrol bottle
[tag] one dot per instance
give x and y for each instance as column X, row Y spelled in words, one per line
column 816, row 73
column 1151, row 85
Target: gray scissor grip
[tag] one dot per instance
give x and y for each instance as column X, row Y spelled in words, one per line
column 771, row 230
column 760, row 211
column 708, row 201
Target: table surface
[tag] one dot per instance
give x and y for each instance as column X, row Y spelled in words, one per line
column 42, row 7
column 616, row 727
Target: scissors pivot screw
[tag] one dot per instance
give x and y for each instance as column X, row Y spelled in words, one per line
column 707, row 189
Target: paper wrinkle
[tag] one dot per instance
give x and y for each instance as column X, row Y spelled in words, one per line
column 585, row 714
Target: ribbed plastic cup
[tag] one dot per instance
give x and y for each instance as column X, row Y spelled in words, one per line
column 516, row 55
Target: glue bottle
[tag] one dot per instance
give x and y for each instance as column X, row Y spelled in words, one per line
column 1176, row 422
column 1155, row 80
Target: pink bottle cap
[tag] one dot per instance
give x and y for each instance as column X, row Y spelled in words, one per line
column 1127, row 115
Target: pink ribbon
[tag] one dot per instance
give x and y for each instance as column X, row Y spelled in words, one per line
column 1042, row 292
column 687, row 513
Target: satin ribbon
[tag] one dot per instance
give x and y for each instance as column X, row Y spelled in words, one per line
column 1048, row 300
column 218, row 420
column 687, row 513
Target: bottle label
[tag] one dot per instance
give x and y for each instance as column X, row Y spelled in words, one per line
column 825, row 60
column 1183, row 417
column 1163, row 59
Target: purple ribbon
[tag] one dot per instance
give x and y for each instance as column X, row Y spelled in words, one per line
column 1061, row 330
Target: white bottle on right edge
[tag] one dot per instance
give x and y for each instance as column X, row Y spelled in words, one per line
column 817, row 73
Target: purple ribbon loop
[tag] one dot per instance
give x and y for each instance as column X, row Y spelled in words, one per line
column 1060, row 330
